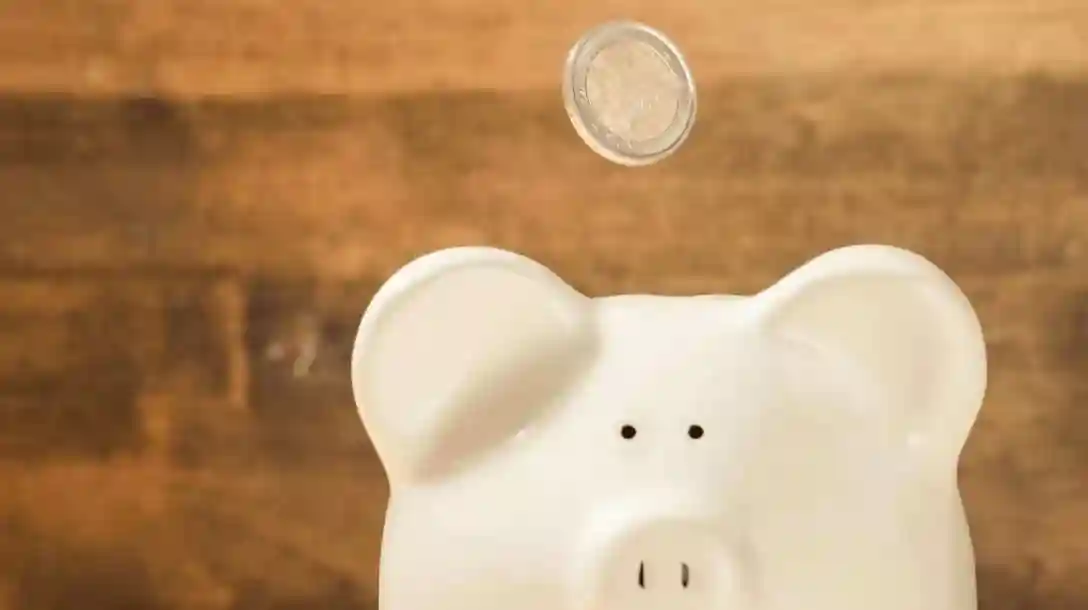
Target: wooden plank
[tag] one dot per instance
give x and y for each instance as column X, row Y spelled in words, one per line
column 207, row 500
column 1027, row 455
column 299, row 340
column 194, row 48
column 129, row 535
column 81, row 356
column 981, row 176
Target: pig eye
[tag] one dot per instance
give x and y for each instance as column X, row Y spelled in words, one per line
column 695, row 431
column 628, row 432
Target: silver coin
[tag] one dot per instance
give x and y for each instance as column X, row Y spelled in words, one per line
column 629, row 93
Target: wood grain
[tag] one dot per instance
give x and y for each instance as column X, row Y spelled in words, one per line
column 79, row 354
column 199, row 198
column 196, row 48
column 981, row 175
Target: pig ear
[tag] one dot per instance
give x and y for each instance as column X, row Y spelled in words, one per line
column 903, row 322
column 459, row 350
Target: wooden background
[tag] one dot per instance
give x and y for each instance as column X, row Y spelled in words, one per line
column 198, row 198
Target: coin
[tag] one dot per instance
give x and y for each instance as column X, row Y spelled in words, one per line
column 629, row 93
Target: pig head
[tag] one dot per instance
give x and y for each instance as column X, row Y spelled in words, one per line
column 791, row 450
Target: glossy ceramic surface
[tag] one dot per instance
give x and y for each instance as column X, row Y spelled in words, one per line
column 791, row 450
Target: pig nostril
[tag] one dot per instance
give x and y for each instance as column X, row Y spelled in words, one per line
column 685, row 575
column 642, row 574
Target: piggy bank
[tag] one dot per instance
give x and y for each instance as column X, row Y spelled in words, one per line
column 794, row 449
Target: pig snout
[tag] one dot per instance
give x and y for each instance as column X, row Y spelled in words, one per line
column 675, row 559
column 685, row 574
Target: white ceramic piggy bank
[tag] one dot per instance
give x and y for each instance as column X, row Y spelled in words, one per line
column 791, row 450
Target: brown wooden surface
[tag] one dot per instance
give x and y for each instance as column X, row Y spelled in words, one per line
column 198, row 198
